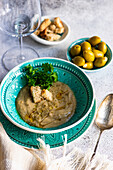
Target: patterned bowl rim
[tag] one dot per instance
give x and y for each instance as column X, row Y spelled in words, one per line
column 47, row 131
column 83, row 69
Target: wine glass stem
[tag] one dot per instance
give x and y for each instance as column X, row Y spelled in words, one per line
column 21, row 57
column 21, row 44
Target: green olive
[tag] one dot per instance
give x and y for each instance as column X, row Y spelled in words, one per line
column 86, row 46
column 75, row 50
column 100, row 62
column 88, row 65
column 78, row 60
column 94, row 40
column 102, row 47
column 98, row 53
column 88, row 55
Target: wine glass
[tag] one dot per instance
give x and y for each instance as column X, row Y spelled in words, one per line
column 17, row 18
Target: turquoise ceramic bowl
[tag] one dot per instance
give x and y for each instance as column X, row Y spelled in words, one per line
column 67, row 73
column 78, row 42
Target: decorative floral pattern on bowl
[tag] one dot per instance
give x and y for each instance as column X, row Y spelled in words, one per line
column 29, row 139
column 68, row 73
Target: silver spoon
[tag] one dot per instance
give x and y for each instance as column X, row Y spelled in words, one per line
column 104, row 117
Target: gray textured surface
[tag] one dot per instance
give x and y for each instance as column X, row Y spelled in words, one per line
column 86, row 18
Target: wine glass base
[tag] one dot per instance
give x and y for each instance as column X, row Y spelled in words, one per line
column 12, row 57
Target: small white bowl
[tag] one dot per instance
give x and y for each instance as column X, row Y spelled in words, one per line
column 61, row 40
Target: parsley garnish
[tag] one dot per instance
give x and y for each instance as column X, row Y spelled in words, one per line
column 43, row 77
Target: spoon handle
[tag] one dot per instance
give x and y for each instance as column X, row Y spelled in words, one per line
column 94, row 152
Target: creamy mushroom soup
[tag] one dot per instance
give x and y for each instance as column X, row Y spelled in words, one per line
column 46, row 113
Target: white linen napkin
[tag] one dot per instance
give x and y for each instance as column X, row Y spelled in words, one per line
column 16, row 157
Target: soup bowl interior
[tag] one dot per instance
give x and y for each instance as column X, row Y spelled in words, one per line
column 68, row 73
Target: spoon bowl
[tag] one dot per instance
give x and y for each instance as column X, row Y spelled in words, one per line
column 104, row 116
